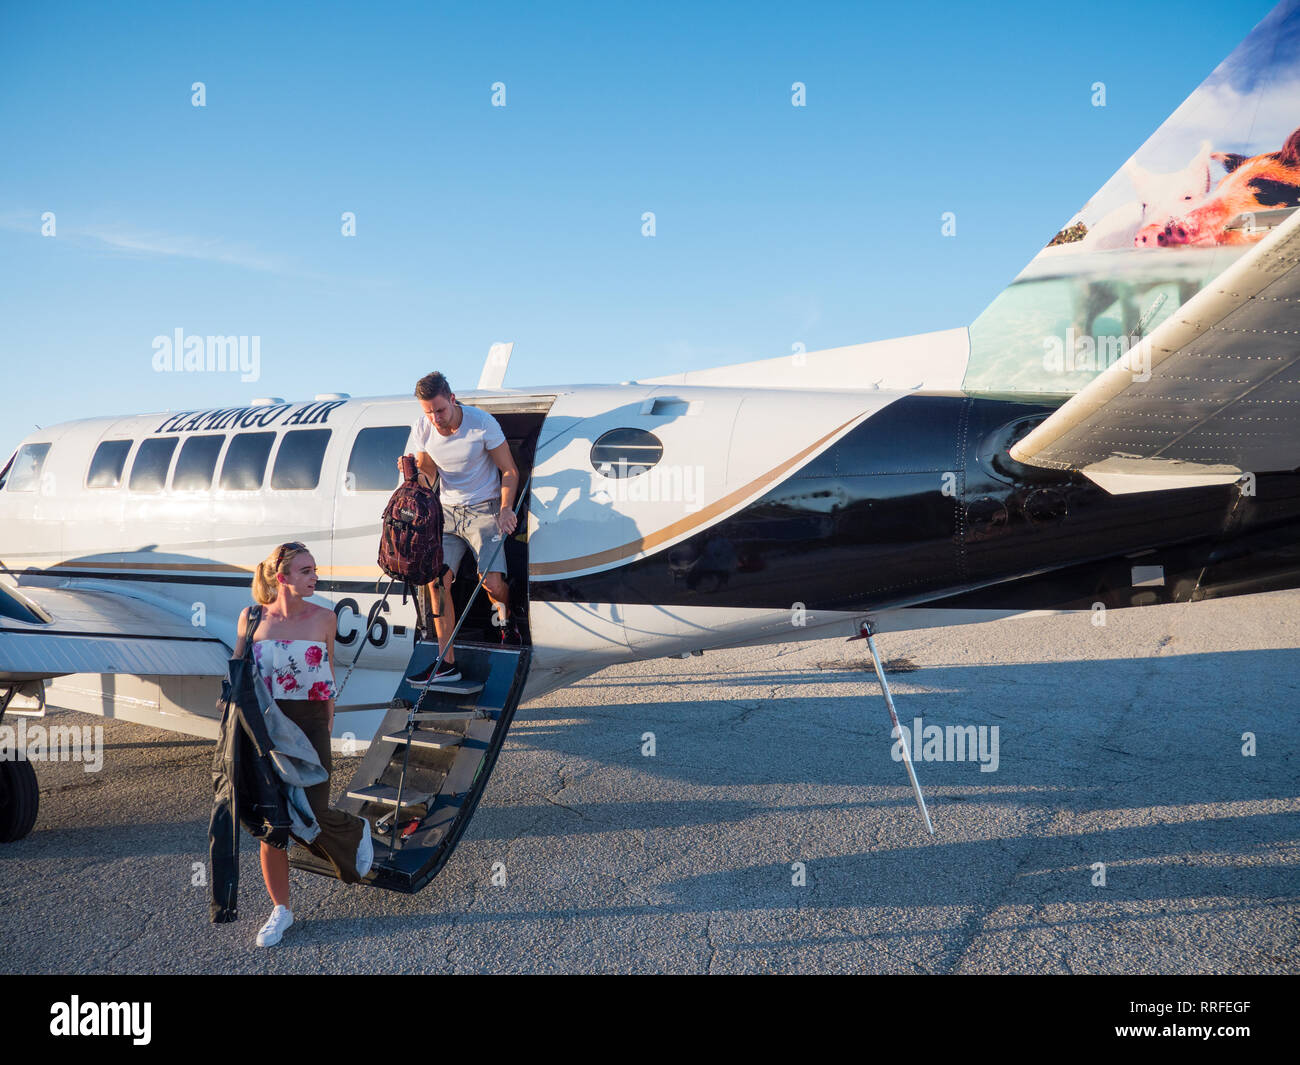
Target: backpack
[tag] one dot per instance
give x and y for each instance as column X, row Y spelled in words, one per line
column 410, row 543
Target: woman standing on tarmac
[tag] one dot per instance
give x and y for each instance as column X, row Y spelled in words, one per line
column 293, row 649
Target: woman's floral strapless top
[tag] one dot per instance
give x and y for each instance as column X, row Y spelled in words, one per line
column 295, row 669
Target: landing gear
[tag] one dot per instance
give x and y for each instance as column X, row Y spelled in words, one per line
column 19, row 793
column 19, row 799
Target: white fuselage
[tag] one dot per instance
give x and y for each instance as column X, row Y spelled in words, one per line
column 192, row 550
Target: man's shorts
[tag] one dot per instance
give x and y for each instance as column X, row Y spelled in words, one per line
column 473, row 527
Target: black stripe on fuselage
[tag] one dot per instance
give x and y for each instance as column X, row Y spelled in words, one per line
column 921, row 502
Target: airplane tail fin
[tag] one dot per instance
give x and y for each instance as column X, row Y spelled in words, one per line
column 1217, row 175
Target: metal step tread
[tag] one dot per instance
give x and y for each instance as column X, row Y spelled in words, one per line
column 387, row 794
column 468, row 713
column 456, row 687
column 422, row 737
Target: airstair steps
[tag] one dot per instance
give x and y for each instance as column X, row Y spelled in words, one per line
column 442, row 753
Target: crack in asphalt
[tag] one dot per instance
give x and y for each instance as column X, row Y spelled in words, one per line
column 713, row 947
column 972, row 927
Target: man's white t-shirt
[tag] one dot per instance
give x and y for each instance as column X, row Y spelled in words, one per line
column 468, row 473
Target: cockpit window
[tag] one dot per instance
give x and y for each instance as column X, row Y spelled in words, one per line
column 625, row 452
column 25, row 473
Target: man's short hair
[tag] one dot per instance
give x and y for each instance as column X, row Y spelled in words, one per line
column 431, row 385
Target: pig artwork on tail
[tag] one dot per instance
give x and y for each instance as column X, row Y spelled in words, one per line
column 1253, row 183
column 1159, row 196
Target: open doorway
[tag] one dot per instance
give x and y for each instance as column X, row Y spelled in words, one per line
column 521, row 421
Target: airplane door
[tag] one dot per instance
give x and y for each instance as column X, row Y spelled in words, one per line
column 383, row 631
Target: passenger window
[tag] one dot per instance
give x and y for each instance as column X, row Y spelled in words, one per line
column 106, row 464
column 149, row 470
column 197, row 460
column 298, row 462
column 24, row 474
column 245, row 462
column 625, row 452
column 372, row 466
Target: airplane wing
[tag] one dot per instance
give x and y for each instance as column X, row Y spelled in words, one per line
column 50, row 632
column 1212, row 393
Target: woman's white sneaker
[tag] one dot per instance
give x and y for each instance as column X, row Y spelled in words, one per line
column 271, row 932
column 365, row 850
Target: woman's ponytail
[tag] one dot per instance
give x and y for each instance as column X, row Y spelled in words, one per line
column 265, row 590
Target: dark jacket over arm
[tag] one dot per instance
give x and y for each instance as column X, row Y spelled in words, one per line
column 245, row 785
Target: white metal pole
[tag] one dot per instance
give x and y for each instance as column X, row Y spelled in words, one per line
column 898, row 732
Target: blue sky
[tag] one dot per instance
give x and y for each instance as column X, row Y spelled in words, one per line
column 774, row 224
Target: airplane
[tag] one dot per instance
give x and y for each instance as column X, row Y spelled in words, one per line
column 1117, row 429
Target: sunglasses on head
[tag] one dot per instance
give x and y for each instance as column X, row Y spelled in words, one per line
column 284, row 548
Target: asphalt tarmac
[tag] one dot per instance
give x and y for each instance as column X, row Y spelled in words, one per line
column 770, row 830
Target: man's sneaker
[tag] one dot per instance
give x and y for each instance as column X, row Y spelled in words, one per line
column 365, row 850
column 447, row 673
column 510, row 635
column 271, row 932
